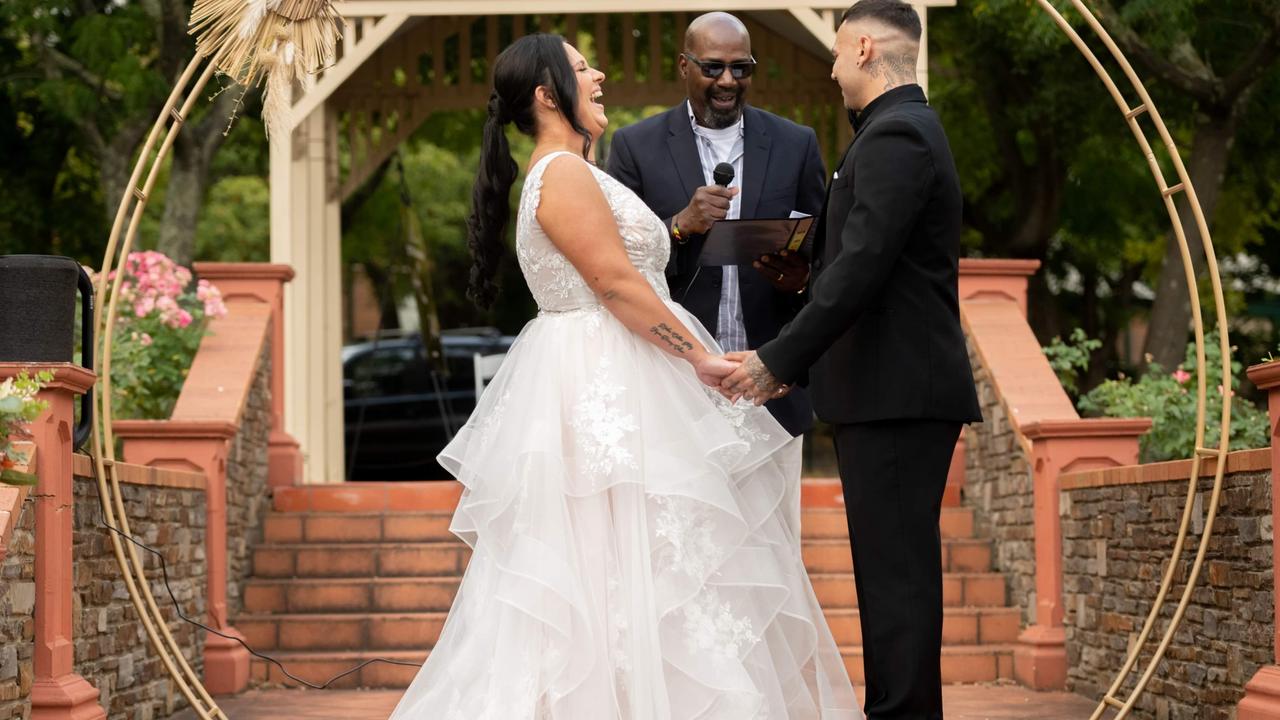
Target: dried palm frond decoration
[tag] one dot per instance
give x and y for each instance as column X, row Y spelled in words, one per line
column 276, row 42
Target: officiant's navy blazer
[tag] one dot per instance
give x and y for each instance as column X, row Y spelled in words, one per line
column 781, row 171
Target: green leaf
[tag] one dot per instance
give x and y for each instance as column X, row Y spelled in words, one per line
column 13, row 477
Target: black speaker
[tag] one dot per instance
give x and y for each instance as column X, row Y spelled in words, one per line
column 38, row 314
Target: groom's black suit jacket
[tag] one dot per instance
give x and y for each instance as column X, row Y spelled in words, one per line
column 781, row 171
column 881, row 331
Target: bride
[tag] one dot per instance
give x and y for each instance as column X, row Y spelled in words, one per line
column 636, row 548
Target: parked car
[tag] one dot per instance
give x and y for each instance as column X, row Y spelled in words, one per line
column 398, row 416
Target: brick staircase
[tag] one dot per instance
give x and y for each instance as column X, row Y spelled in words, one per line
column 351, row 572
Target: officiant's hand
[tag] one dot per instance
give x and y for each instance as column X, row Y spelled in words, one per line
column 708, row 204
column 752, row 380
column 787, row 271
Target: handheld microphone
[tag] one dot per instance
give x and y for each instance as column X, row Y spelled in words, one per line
column 723, row 174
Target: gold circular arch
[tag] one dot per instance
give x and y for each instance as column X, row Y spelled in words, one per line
column 316, row 22
column 1168, row 193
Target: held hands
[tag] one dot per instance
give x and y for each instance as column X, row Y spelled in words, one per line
column 740, row 374
column 712, row 369
column 708, row 204
column 787, row 271
column 752, row 380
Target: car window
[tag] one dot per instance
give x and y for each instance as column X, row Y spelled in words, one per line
column 387, row 372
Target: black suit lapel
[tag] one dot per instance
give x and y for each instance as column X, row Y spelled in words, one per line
column 755, row 161
column 684, row 151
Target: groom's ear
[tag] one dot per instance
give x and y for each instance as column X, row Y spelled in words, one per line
column 865, row 46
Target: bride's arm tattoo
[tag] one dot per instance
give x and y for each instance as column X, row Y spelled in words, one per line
column 677, row 341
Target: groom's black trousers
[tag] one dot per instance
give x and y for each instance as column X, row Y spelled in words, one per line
column 894, row 474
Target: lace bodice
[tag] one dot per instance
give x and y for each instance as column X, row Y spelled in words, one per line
column 554, row 282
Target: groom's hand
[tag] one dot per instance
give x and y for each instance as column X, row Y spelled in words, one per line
column 752, row 380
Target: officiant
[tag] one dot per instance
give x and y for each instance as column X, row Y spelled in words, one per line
column 669, row 161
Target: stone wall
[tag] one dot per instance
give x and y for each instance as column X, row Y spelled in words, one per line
column 247, row 498
column 17, row 605
column 1116, row 544
column 998, row 486
column 112, row 651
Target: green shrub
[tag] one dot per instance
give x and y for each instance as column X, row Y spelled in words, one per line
column 1169, row 399
column 161, row 320
column 18, row 407
column 1069, row 359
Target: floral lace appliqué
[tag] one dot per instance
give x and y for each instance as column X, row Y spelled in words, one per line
column 736, row 414
column 711, row 628
column 554, row 281
column 600, row 426
column 687, row 527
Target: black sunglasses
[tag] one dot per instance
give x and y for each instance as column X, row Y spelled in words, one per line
column 715, row 68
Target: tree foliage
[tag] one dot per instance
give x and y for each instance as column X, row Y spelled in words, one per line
column 1051, row 171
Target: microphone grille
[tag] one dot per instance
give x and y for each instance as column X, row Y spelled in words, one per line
column 723, row 174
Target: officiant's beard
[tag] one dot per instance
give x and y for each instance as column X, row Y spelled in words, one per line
column 721, row 119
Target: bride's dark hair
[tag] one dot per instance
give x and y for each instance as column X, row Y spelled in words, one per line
column 528, row 63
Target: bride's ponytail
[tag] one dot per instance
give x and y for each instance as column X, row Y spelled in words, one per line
column 490, row 205
column 530, row 62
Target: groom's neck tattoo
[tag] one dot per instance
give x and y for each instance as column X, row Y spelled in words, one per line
column 672, row 338
column 896, row 70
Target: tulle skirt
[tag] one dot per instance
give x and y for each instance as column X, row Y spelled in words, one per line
column 636, row 547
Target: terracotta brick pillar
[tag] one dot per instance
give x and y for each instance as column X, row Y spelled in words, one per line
column 57, row 692
column 201, row 446
column 1059, row 447
column 264, row 283
column 1261, row 699
column 986, row 280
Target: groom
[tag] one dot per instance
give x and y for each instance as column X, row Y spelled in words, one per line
column 882, row 335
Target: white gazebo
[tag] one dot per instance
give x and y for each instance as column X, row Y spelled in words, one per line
column 401, row 60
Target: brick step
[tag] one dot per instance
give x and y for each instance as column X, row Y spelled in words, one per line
column 836, row 590
column 442, row 495
column 816, row 523
column 294, row 527
column 960, row 664
column 408, row 631
column 349, row 595
column 319, row 667
column 832, row 524
column 958, row 555
column 281, row 560
column 419, row 595
column 960, row 626
column 342, row 631
column 368, row 497
column 336, row 560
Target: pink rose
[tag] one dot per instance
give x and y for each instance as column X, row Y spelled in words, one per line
column 1181, row 376
column 144, row 306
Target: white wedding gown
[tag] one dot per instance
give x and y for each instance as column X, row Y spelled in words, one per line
column 636, row 537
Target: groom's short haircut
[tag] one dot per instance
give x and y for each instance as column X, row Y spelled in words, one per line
column 894, row 13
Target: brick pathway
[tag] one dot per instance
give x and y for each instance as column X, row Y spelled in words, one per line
column 971, row 702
